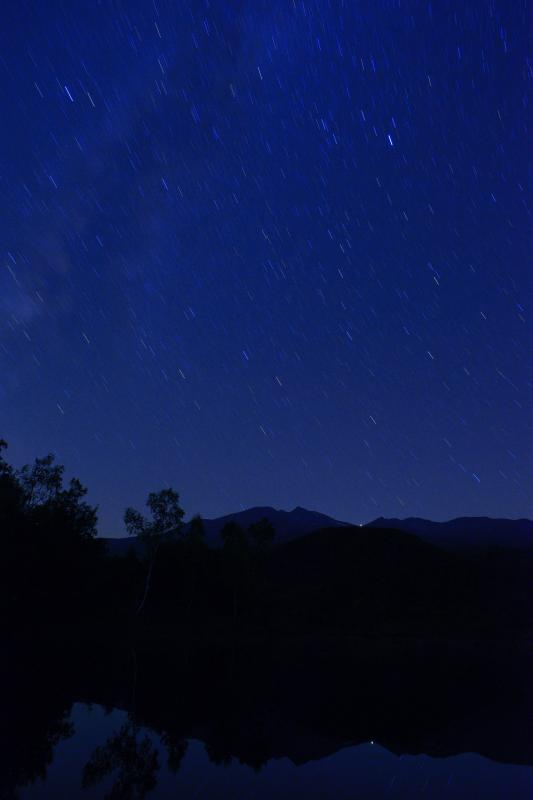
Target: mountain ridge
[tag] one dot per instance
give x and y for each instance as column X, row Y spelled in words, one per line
column 459, row 533
column 465, row 532
column 288, row 525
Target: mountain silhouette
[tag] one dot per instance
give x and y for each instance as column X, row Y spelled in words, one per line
column 462, row 533
column 465, row 533
column 288, row 525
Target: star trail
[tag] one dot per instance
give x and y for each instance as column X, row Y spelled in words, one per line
column 271, row 252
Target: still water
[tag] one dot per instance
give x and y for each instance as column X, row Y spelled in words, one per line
column 104, row 754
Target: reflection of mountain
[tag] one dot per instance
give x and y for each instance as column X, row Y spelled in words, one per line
column 306, row 701
column 303, row 700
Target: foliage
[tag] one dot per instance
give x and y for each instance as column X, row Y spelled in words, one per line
column 367, row 580
column 166, row 517
column 49, row 547
column 36, row 493
column 166, row 524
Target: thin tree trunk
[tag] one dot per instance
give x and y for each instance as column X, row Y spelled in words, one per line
column 148, row 581
column 189, row 607
column 134, row 685
column 234, row 607
column 191, row 598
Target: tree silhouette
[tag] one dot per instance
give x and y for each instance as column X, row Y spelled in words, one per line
column 195, row 552
column 36, row 491
column 261, row 533
column 196, row 531
column 165, row 525
column 48, row 538
column 11, row 492
column 235, row 556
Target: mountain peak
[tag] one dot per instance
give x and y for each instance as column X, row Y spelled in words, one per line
column 287, row 524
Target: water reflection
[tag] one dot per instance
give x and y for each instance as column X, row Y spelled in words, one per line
column 134, row 763
column 285, row 721
column 130, row 757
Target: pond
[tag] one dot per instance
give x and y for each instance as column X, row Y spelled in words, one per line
column 348, row 719
column 106, row 755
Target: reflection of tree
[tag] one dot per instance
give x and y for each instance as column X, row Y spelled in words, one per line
column 219, row 753
column 234, row 737
column 27, row 746
column 224, row 746
column 134, row 759
column 176, row 749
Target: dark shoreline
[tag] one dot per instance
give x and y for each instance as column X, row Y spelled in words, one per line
column 440, row 697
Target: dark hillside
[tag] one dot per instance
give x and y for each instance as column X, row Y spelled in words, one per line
column 466, row 533
column 386, row 581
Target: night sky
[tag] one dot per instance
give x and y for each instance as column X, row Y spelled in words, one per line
column 271, row 252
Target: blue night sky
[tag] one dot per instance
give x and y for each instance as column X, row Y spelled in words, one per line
column 271, row 252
